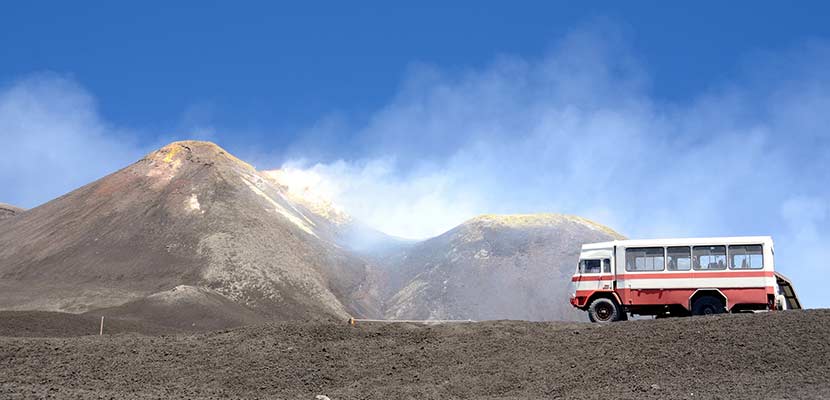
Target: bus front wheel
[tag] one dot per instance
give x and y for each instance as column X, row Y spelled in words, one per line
column 604, row 310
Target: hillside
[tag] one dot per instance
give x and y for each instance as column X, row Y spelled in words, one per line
column 493, row 267
column 780, row 355
column 187, row 214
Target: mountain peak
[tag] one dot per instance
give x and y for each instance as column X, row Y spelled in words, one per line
column 189, row 146
column 203, row 152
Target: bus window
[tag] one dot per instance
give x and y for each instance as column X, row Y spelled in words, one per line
column 709, row 257
column 746, row 257
column 589, row 266
column 644, row 259
column 606, row 266
column 679, row 258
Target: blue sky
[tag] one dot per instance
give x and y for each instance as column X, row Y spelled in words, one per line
column 265, row 70
column 657, row 120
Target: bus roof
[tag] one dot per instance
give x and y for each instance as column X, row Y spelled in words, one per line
column 765, row 240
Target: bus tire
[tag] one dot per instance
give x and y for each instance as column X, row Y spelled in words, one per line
column 708, row 305
column 604, row 310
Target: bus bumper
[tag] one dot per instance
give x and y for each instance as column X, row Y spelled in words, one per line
column 578, row 301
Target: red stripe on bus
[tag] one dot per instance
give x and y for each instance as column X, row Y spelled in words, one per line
column 697, row 275
column 676, row 275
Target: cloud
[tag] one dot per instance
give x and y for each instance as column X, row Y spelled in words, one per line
column 54, row 140
column 579, row 132
column 364, row 190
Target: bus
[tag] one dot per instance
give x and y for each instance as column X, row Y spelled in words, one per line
column 679, row 277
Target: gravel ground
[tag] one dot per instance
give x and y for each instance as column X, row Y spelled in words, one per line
column 783, row 355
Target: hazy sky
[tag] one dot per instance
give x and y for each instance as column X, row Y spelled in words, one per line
column 657, row 122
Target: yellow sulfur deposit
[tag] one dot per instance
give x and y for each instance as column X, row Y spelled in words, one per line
column 173, row 150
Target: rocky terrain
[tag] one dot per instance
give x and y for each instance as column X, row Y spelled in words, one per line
column 779, row 355
column 493, row 267
column 188, row 216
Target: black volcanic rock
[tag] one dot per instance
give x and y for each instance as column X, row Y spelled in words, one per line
column 188, row 214
column 493, row 267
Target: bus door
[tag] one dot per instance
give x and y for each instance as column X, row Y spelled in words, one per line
column 606, row 281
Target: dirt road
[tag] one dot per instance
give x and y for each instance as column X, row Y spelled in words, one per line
column 765, row 356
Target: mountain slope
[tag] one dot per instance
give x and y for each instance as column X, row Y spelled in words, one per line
column 493, row 267
column 185, row 308
column 187, row 214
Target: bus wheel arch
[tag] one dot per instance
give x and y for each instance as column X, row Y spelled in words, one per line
column 605, row 294
column 708, row 301
column 605, row 307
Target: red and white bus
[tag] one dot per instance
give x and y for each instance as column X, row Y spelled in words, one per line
column 677, row 277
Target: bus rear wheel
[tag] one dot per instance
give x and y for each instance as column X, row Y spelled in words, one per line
column 708, row 305
column 604, row 310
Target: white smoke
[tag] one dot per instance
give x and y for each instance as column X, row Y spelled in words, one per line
column 579, row 132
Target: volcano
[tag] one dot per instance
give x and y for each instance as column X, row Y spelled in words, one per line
column 187, row 224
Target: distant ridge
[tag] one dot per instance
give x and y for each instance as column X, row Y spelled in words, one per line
column 493, row 267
